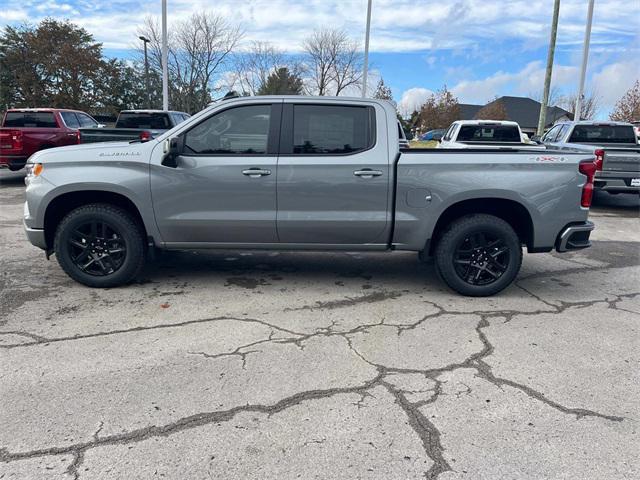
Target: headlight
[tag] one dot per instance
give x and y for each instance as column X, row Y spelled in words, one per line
column 33, row 170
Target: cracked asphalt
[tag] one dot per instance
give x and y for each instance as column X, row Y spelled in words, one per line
column 272, row 365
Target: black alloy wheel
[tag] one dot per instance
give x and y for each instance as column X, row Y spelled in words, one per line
column 97, row 248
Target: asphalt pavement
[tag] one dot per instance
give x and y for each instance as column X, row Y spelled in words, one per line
column 235, row 365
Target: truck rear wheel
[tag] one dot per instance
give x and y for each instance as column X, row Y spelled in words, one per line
column 100, row 245
column 478, row 255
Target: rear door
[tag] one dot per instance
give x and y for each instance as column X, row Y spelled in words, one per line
column 333, row 174
column 224, row 187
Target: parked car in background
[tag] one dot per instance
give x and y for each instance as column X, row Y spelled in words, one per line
column 636, row 127
column 135, row 125
column 433, row 135
column 614, row 145
column 484, row 134
column 304, row 173
column 25, row 131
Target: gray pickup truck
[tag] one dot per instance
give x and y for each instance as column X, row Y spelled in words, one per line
column 304, row 173
column 134, row 125
column 614, row 144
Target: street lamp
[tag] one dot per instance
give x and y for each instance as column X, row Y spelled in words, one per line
column 145, row 40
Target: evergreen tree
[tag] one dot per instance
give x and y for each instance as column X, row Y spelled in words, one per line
column 282, row 82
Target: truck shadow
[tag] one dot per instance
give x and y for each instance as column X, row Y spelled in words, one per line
column 626, row 204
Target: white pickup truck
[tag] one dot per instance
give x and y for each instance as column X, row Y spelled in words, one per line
column 485, row 134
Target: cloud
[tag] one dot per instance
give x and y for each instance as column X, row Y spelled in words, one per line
column 412, row 99
column 613, row 81
column 527, row 81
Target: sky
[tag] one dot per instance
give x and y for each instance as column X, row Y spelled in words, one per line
column 479, row 48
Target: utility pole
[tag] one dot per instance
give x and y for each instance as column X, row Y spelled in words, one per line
column 145, row 40
column 365, row 70
column 585, row 58
column 547, row 78
column 165, row 59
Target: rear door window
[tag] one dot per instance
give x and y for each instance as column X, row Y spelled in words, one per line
column 30, row 120
column 332, row 129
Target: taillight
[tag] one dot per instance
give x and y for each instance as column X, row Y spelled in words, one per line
column 599, row 159
column 587, row 168
column 11, row 140
column 78, row 138
column 145, row 136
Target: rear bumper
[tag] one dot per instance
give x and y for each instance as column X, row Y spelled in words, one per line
column 36, row 236
column 574, row 237
column 13, row 162
column 619, row 182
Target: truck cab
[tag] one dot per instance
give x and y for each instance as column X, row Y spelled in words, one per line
column 28, row 130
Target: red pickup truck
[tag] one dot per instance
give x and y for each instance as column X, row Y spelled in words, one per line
column 27, row 130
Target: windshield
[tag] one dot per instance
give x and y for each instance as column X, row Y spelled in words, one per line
column 151, row 120
column 603, row 134
column 489, row 133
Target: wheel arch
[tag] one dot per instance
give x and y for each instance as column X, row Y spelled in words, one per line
column 64, row 203
column 511, row 211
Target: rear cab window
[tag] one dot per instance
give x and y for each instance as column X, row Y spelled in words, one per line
column 332, row 129
column 150, row 120
column 489, row 133
column 30, row 120
column 603, row 134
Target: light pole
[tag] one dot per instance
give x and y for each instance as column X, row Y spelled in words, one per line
column 365, row 70
column 542, row 120
column 165, row 59
column 585, row 57
column 145, row 40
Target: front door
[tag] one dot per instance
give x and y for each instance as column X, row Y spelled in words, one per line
column 333, row 176
column 224, row 187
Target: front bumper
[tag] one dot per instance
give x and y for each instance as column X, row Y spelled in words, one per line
column 574, row 237
column 36, row 236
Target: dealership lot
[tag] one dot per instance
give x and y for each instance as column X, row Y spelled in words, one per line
column 306, row 365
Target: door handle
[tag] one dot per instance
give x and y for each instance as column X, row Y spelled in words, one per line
column 256, row 172
column 367, row 173
column 72, row 134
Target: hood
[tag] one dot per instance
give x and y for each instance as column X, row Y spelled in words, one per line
column 95, row 151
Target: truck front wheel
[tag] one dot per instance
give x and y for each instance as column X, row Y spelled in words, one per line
column 478, row 255
column 100, row 245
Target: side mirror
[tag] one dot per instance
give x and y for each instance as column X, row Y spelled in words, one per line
column 171, row 148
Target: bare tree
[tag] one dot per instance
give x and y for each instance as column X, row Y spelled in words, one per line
column 590, row 104
column 253, row 65
column 334, row 62
column 198, row 49
column 628, row 107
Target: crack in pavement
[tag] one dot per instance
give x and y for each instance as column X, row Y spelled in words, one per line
column 38, row 340
column 426, row 430
column 349, row 301
column 238, row 351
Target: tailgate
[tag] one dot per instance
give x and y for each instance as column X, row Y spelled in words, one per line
column 621, row 160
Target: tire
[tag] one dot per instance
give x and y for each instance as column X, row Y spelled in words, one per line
column 478, row 255
column 112, row 253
